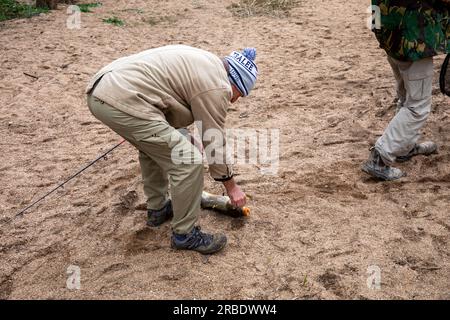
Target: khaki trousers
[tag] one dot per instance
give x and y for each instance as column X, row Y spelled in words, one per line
column 414, row 90
column 165, row 156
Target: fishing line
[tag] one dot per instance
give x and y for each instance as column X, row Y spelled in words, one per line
column 70, row 178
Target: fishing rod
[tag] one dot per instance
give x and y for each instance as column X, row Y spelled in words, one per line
column 70, row 178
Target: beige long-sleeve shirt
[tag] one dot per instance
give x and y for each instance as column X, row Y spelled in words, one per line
column 177, row 84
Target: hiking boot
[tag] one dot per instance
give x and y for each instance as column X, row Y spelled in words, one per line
column 158, row 217
column 425, row 148
column 378, row 169
column 199, row 241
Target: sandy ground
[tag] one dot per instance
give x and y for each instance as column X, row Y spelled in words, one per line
column 315, row 227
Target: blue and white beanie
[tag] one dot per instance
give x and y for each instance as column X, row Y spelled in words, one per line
column 243, row 71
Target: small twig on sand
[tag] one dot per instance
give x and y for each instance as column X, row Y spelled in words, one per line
column 30, row 75
column 330, row 143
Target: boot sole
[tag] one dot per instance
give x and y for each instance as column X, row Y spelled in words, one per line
column 376, row 174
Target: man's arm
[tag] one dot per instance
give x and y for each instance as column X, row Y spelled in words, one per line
column 210, row 108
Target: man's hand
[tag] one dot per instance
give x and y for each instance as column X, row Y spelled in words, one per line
column 237, row 196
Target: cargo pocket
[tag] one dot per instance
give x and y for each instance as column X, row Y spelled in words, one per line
column 420, row 89
column 420, row 79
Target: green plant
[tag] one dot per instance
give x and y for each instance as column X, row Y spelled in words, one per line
column 262, row 7
column 11, row 9
column 85, row 7
column 114, row 20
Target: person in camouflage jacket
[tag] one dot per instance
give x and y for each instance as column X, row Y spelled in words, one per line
column 413, row 30
column 412, row 33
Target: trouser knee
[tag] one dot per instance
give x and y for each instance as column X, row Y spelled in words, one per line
column 422, row 111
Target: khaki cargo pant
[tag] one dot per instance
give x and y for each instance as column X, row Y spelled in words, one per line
column 414, row 91
column 165, row 156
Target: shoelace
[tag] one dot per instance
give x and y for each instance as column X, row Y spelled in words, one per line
column 199, row 238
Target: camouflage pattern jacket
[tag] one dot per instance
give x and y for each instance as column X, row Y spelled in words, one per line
column 412, row 30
